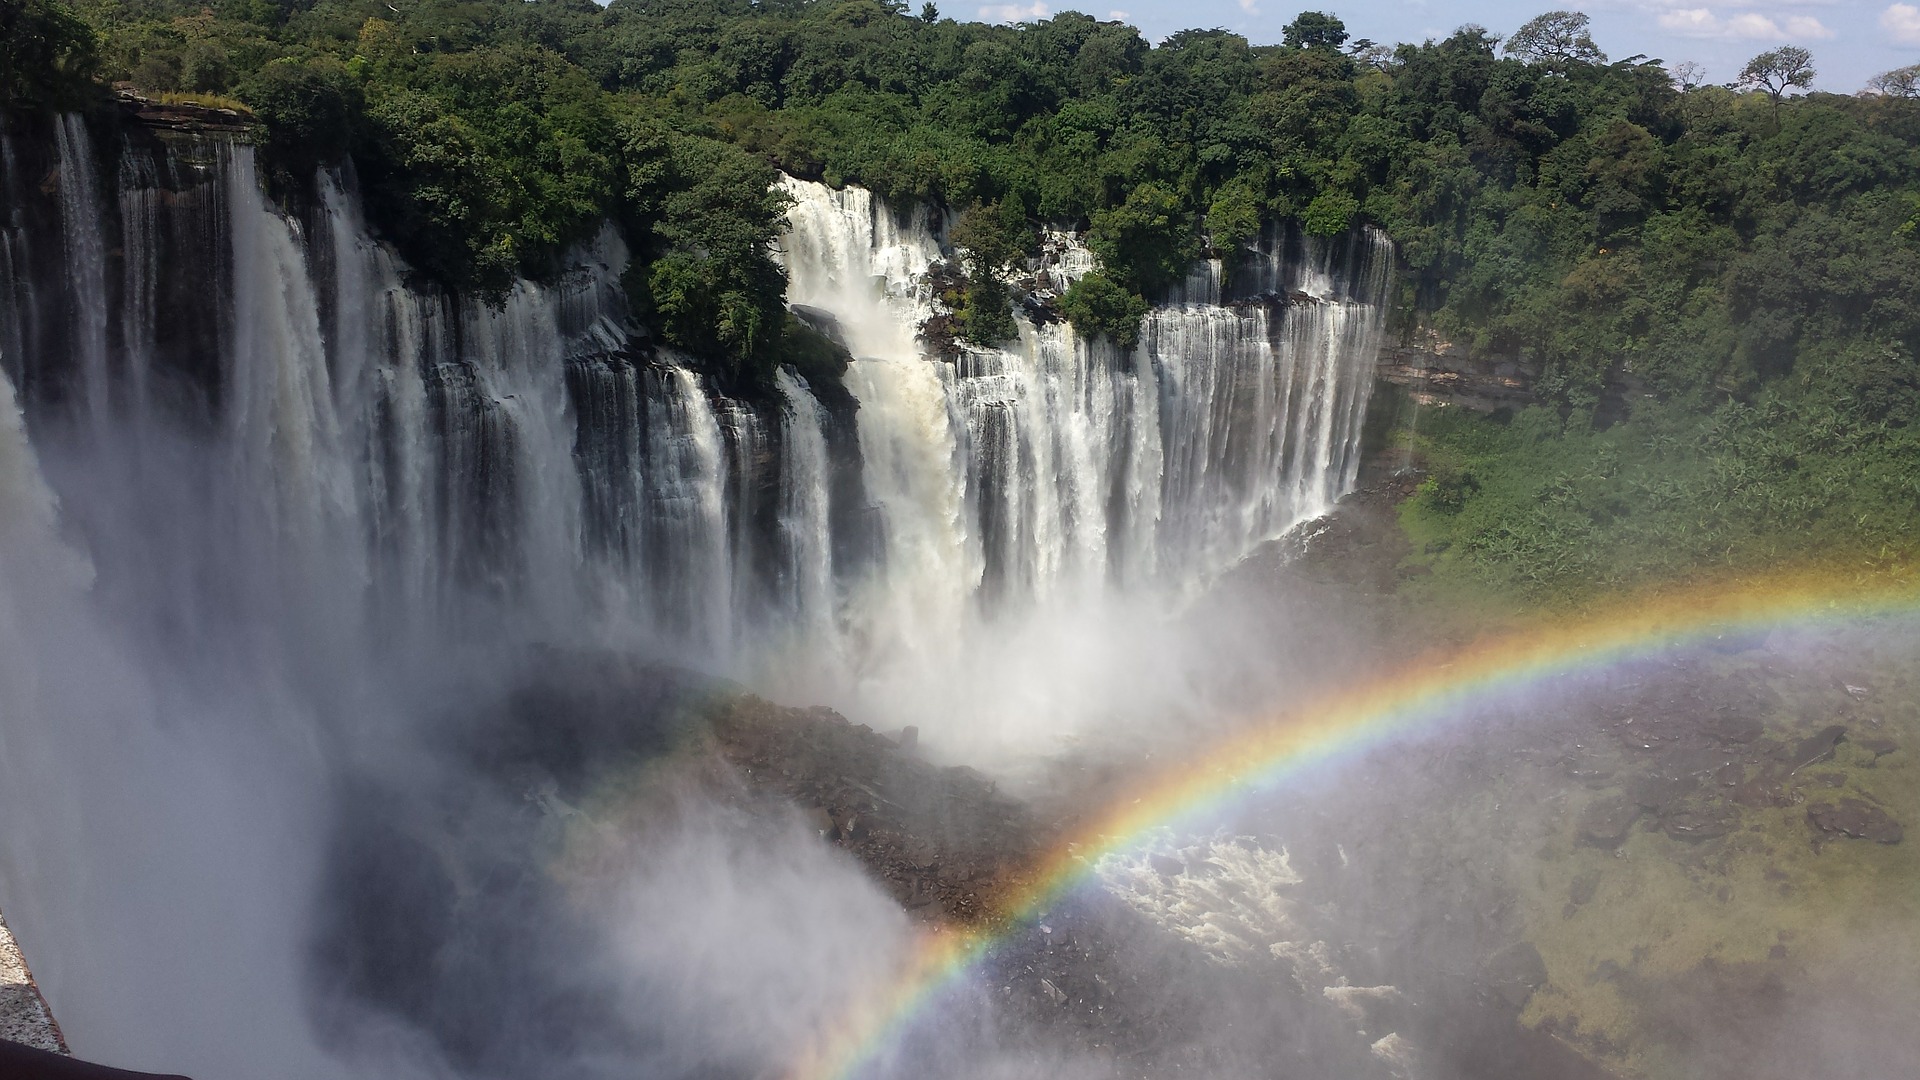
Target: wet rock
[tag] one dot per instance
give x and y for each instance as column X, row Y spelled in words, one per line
column 1606, row 823
column 1856, row 818
column 1054, row 993
column 1695, row 761
column 1761, row 791
column 1734, row 729
column 1583, row 887
column 822, row 822
column 1661, row 790
column 1589, row 775
column 1514, row 973
column 1166, row 866
column 1878, row 747
column 1817, row 747
column 942, row 840
column 1699, row 822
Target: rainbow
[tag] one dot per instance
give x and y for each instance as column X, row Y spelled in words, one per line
column 1412, row 701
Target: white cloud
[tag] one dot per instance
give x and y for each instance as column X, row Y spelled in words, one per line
column 1902, row 22
column 1119, row 16
column 1249, row 7
column 1745, row 25
column 1015, row 12
column 1806, row 27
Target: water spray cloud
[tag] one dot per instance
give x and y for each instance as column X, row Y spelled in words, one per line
column 1423, row 697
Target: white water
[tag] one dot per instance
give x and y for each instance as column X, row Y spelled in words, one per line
column 1043, row 504
column 397, row 465
column 369, row 478
column 80, row 210
column 806, row 526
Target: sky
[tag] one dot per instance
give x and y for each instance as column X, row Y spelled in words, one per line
column 1851, row 40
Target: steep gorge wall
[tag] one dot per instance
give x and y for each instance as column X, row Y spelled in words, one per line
column 386, row 457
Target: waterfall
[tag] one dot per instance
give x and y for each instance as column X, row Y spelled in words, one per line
column 389, row 462
column 80, row 212
column 1057, row 465
column 264, row 495
column 1033, row 497
column 392, row 457
column 806, row 521
column 689, row 512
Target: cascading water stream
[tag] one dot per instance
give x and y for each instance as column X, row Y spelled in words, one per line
column 1025, row 491
column 317, row 494
column 397, row 459
column 80, row 211
column 806, row 523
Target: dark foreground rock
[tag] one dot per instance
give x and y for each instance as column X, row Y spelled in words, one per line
column 943, row 840
column 1607, row 822
column 1857, row 819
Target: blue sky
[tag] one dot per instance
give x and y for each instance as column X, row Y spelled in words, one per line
column 1850, row 41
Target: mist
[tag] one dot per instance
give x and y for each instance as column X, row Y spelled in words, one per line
column 387, row 681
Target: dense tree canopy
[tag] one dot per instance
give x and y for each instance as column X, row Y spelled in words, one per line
column 47, row 53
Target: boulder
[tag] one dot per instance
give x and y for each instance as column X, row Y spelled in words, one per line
column 1856, row 818
column 1607, row 822
column 1514, row 973
column 1817, row 747
column 1699, row 822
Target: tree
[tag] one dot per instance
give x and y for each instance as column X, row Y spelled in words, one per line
column 309, row 108
column 717, row 290
column 1556, row 40
column 1147, row 241
column 1777, row 69
column 47, row 53
column 1098, row 305
column 1315, row 30
column 1898, row 83
column 995, row 237
column 1234, row 216
column 1688, row 75
column 929, row 13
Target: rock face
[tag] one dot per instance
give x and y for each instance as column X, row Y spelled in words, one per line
column 24, row 1016
column 1857, row 819
column 1435, row 372
column 183, row 116
column 942, row 840
column 1514, row 973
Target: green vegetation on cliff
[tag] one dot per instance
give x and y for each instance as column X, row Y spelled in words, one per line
column 1554, row 508
column 1745, row 261
column 1601, row 216
column 47, row 54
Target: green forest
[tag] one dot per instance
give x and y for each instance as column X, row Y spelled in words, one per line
column 1739, row 263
